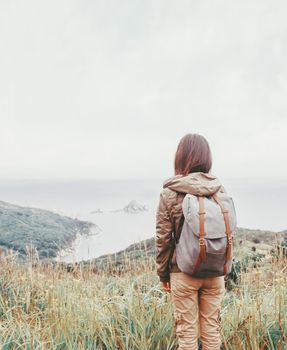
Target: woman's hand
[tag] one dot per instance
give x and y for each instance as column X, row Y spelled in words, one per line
column 166, row 286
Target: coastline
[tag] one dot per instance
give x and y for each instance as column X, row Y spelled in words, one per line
column 80, row 236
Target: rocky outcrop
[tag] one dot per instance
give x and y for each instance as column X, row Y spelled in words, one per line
column 97, row 211
column 133, row 207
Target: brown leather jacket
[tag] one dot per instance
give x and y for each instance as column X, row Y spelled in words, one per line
column 169, row 217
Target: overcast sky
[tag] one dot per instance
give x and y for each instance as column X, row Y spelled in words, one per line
column 106, row 89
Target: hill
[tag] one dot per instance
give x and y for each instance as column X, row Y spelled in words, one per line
column 245, row 240
column 48, row 232
column 121, row 305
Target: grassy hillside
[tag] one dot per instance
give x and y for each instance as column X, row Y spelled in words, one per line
column 47, row 306
column 48, row 232
column 115, row 302
column 245, row 241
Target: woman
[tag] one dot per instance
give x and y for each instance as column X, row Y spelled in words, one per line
column 196, row 301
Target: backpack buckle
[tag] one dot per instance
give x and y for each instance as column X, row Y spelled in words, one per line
column 230, row 241
column 201, row 241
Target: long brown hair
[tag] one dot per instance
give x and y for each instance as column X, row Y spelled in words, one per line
column 192, row 155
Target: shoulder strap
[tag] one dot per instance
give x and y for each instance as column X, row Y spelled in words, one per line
column 228, row 232
column 177, row 232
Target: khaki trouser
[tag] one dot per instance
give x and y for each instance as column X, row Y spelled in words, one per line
column 196, row 306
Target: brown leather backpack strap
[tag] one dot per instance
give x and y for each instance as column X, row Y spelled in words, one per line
column 202, row 248
column 228, row 230
column 201, row 214
column 224, row 212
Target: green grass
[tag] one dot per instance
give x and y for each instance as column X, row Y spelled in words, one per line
column 46, row 307
column 46, row 231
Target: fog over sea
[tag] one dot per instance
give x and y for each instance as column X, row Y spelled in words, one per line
column 260, row 204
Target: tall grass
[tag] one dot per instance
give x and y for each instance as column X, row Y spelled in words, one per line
column 44, row 306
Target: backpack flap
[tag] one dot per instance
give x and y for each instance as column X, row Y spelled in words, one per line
column 214, row 223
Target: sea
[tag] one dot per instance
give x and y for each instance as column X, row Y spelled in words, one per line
column 260, row 204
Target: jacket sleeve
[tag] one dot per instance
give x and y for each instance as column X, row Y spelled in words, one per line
column 164, row 244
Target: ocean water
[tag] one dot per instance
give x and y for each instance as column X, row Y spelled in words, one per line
column 259, row 205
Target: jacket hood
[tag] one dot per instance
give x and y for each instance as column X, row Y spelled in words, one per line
column 199, row 184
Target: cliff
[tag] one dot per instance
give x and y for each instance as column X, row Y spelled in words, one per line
column 48, row 232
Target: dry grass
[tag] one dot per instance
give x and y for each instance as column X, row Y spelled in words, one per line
column 47, row 307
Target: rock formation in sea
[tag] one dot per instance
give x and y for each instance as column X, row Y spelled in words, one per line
column 133, row 207
column 97, row 211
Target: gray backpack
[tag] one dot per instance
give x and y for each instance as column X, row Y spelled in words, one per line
column 205, row 245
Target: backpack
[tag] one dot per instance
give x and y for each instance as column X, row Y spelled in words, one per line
column 205, row 245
